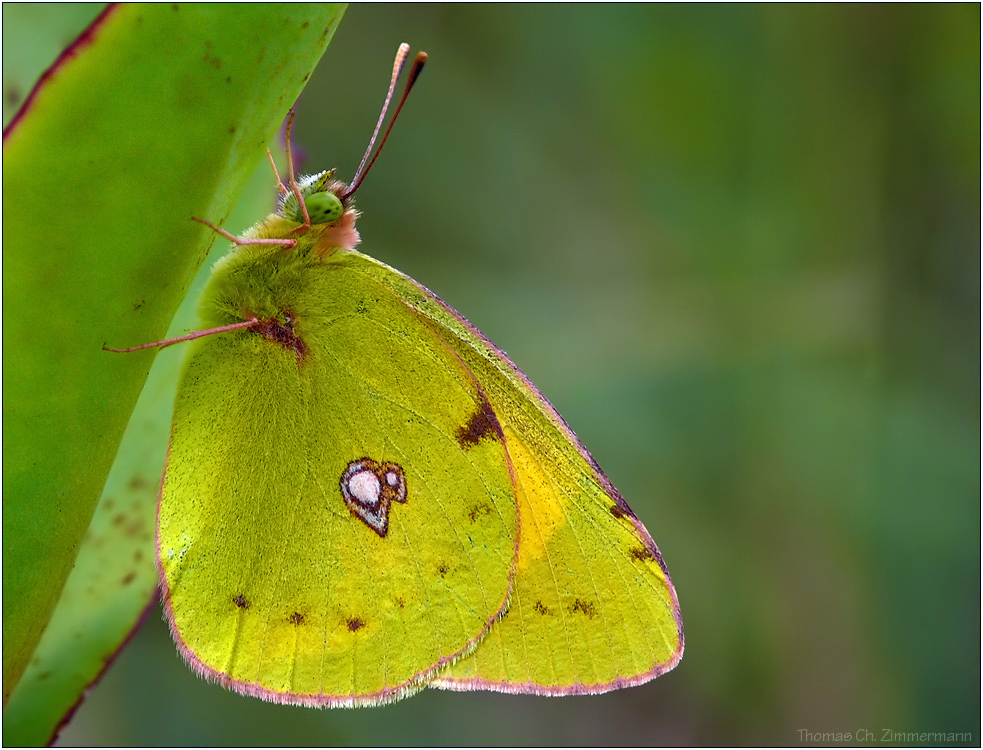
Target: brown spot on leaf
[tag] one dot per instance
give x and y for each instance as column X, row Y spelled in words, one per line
column 583, row 607
column 442, row 569
column 128, row 578
column 540, row 608
column 400, row 603
column 136, row 482
column 240, row 602
column 482, row 424
column 119, row 519
column 355, row 623
column 13, row 96
column 641, row 554
column 296, row 618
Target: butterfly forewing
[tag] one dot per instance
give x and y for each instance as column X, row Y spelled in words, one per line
column 593, row 608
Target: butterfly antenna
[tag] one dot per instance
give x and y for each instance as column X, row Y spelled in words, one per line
column 401, row 53
column 366, row 165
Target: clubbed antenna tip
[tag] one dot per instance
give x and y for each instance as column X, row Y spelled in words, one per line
column 366, row 164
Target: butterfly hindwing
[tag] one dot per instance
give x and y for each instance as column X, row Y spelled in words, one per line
column 338, row 516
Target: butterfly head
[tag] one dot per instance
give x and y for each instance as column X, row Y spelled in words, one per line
column 322, row 203
column 322, row 195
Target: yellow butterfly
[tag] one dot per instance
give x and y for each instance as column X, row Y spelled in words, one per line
column 364, row 496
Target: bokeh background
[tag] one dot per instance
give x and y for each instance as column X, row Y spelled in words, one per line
column 738, row 247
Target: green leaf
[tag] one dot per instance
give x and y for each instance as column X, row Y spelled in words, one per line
column 114, row 576
column 34, row 34
column 160, row 113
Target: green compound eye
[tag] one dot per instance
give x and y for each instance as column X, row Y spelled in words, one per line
column 321, row 207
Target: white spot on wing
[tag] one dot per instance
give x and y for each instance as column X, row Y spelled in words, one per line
column 365, row 487
column 369, row 488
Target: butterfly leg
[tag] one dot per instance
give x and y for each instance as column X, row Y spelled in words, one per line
column 251, row 323
column 279, row 185
column 292, row 179
column 242, row 240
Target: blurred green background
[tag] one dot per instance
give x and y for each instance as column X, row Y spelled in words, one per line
column 738, row 247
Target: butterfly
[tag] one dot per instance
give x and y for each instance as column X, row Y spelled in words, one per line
column 364, row 496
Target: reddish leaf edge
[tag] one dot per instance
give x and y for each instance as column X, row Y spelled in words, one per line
column 73, row 50
column 141, row 619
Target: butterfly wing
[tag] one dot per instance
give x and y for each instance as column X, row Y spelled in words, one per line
column 337, row 519
column 593, row 608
